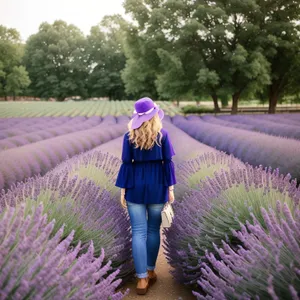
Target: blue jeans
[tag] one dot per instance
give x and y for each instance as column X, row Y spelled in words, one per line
column 145, row 235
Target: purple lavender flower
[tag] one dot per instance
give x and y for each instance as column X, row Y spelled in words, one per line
column 34, row 264
column 252, row 147
column 274, row 126
column 50, row 152
column 207, row 214
column 264, row 266
column 69, row 199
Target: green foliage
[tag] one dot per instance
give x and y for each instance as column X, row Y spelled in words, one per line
column 139, row 73
column 192, row 109
column 56, row 61
column 173, row 49
column 17, row 81
column 13, row 77
column 200, row 51
column 279, row 38
column 235, row 48
column 173, row 83
column 106, row 58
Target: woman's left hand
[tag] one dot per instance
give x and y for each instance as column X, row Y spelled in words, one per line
column 123, row 201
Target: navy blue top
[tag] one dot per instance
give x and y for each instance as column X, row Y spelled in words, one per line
column 147, row 174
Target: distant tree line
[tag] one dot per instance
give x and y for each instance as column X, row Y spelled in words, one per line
column 172, row 49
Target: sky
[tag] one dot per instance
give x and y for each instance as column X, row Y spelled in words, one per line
column 27, row 15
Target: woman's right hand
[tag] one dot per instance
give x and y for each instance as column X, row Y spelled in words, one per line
column 171, row 196
column 123, row 200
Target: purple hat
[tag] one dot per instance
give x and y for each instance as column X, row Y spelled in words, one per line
column 145, row 109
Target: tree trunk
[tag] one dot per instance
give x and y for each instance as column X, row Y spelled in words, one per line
column 177, row 101
column 272, row 103
column 235, row 100
column 216, row 104
column 273, row 98
column 275, row 90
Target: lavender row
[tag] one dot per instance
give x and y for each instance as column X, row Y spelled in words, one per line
column 264, row 125
column 38, row 158
column 100, row 165
column 7, row 129
column 37, row 123
column 266, row 266
column 37, row 126
column 37, row 263
column 291, row 119
column 215, row 210
column 74, row 125
column 185, row 146
column 69, row 199
column 225, row 122
column 252, row 147
column 47, row 133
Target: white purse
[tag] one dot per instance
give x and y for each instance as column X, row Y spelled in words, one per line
column 167, row 215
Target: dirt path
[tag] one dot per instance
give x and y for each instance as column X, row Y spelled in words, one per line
column 165, row 288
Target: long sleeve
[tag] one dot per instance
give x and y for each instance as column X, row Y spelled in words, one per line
column 168, row 165
column 125, row 178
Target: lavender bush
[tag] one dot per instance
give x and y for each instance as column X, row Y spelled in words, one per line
column 265, row 266
column 73, row 125
column 191, row 173
column 98, row 165
column 290, row 119
column 69, row 201
column 18, row 126
column 20, row 123
column 38, row 263
column 227, row 122
column 252, row 147
column 185, row 146
column 265, row 126
column 22, row 162
column 207, row 216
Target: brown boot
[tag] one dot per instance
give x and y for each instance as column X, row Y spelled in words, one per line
column 142, row 286
column 152, row 277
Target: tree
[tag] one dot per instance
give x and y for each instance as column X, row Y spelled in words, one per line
column 106, row 58
column 13, row 77
column 56, row 61
column 222, row 33
column 280, row 39
column 205, row 48
column 172, row 83
column 17, row 81
column 141, row 44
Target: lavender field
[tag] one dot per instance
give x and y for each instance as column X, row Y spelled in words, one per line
column 64, row 234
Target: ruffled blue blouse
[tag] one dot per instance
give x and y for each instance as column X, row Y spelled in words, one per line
column 147, row 174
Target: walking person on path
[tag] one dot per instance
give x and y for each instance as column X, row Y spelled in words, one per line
column 146, row 178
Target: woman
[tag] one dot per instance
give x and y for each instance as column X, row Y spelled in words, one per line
column 146, row 178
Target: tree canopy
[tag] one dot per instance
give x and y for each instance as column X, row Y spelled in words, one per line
column 171, row 49
column 106, row 58
column 215, row 48
column 56, row 61
column 13, row 76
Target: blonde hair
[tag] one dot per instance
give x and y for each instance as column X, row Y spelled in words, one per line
column 146, row 135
